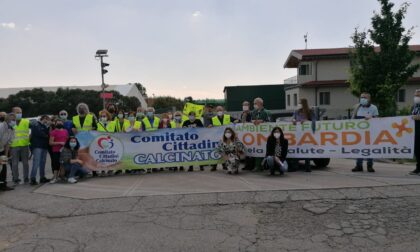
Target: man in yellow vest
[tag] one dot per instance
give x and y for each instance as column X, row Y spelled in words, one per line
column 150, row 122
column 84, row 121
column 221, row 119
column 20, row 145
column 177, row 121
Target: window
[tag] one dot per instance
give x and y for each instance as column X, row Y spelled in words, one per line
column 401, row 95
column 324, row 98
column 295, row 100
column 288, row 100
column 305, row 69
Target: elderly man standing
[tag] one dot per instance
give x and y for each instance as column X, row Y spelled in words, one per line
column 150, row 122
column 259, row 115
column 364, row 110
column 6, row 136
column 20, row 145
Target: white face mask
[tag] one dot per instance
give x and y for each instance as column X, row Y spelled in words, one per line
column 192, row 118
column 219, row 113
column 178, row 118
column 416, row 100
column 245, row 108
column 256, row 106
column 228, row 135
column 277, row 135
column 104, row 119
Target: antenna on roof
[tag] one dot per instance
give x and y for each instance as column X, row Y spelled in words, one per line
column 306, row 40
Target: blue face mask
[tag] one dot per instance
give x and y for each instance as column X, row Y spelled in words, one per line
column 150, row 114
column 363, row 101
column 18, row 116
column 73, row 145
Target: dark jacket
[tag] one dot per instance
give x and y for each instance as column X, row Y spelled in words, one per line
column 271, row 147
column 39, row 136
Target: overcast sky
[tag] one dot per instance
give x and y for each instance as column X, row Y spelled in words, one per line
column 174, row 47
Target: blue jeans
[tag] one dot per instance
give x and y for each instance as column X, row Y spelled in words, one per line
column 359, row 162
column 39, row 159
column 75, row 169
column 273, row 165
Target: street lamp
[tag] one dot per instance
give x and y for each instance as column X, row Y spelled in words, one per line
column 101, row 54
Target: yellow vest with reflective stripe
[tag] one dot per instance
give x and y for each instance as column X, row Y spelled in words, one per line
column 127, row 125
column 216, row 122
column 21, row 131
column 148, row 126
column 173, row 124
column 87, row 124
column 110, row 127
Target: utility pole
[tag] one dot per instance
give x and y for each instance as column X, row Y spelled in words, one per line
column 306, row 40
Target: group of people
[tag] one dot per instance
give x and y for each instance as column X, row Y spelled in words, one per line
column 20, row 138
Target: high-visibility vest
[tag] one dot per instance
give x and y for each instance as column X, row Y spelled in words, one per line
column 136, row 125
column 118, row 128
column 148, row 126
column 110, row 127
column 21, row 134
column 87, row 124
column 216, row 122
column 173, row 124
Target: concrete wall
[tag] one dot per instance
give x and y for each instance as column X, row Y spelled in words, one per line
column 337, row 69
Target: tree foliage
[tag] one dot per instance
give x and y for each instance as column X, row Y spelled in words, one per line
column 381, row 62
column 167, row 102
column 38, row 101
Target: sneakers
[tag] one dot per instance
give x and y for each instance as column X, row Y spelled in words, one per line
column 53, row 181
column 357, row 169
column 72, row 180
column 190, row 169
column 201, row 168
column 213, row 168
column 33, row 182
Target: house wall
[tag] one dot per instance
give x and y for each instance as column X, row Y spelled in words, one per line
column 333, row 69
column 306, row 78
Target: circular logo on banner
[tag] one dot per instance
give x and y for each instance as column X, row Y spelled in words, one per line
column 106, row 150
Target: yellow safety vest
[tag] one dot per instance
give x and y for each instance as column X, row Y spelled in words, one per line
column 126, row 124
column 87, row 124
column 110, row 127
column 216, row 122
column 21, row 131
column 173, row 124
column 136, row 125
column 148, row 126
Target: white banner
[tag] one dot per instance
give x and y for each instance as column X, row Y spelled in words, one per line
column 390, row 137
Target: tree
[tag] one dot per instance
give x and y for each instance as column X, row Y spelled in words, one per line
column 37, row 102
column 141, row 89
column 384, row 69
column 167, row 102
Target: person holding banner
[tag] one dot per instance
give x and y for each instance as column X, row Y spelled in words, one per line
column 140, row 114
column 301, row 115
column 84, row 121
column 121, row 124
column 150, row 122
column 177, row 121
column 364, row 110
column 208, row 115
column 260, row 114
column 134, row 125
column 193, row 122
column 69, row 158
column 105, row 124
column 276, row 152
column 416, row 118
column 231, row 150
column 165, row 121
